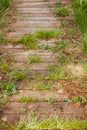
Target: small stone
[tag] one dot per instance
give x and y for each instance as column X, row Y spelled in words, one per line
column 60, row 91
column 30, row 106
column 4, row 118
column 21, row 91
column 0, row 77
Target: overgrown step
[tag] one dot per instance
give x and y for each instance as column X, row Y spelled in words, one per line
column 13, row 111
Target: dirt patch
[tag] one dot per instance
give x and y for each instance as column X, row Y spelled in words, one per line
column 76, row 70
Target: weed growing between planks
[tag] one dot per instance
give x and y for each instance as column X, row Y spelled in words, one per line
column 50, row 123
column 28, row 99
column 61, row 10
column 48, row 34
column 29, row 41
column 33, row 59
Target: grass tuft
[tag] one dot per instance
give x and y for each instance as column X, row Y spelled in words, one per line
column 47, row 34
column 28, row 99
column 33, row 59
column 62, row 11
column 29, row 41
column 51, row 123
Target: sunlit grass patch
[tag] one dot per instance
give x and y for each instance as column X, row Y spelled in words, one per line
column 3, row 39
column 35, row 85
column 47, row 34
column 51, row 123
column 57, row 72
column 33, row 59
column 4, row 4
column 29, row 41
column 18, row 75
column 62, row 11
column 28, row 99
column 85, row 42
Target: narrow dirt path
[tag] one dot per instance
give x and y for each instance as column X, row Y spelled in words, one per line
column 33, row 15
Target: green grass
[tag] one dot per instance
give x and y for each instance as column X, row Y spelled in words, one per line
column 80, row 12
column 3, row 38
column 18, row 75
column 33, row 59
column 4, row 66
column 35, row 85
column 75, row 99
column 62, row 11
column 62, row 58
column 60, row 45
column 38, row 77
column 52, row 99
column 47, row 34
column 57, row 72
column 85, row 42
column 28, row 99
column 4, row 4
column 29, row 41
column 51, row 123
column 6, row 88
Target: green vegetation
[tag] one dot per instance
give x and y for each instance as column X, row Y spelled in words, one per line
column 75, row 99
column 5, row 126
column 57, row 72
column 2, row 38
column 29, row 41
column 4, row 66
column 60, row 45
column 80, row 12
column 51, row 123
column 83, row 99
column 62, row 58
column 62, row 11
column 33, row 59
column 4, row 4
column 85, row 42
column 38, row 77
column 8, row 87
column 43, row 87
column 18, row 75
column 28, row 99
column 52, row 99
column 47, row 34
column 35, row 85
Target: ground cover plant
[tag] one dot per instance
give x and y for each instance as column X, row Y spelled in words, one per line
column 51, row 123
column 33, row 59
column 80, row 12
column 4, row 4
